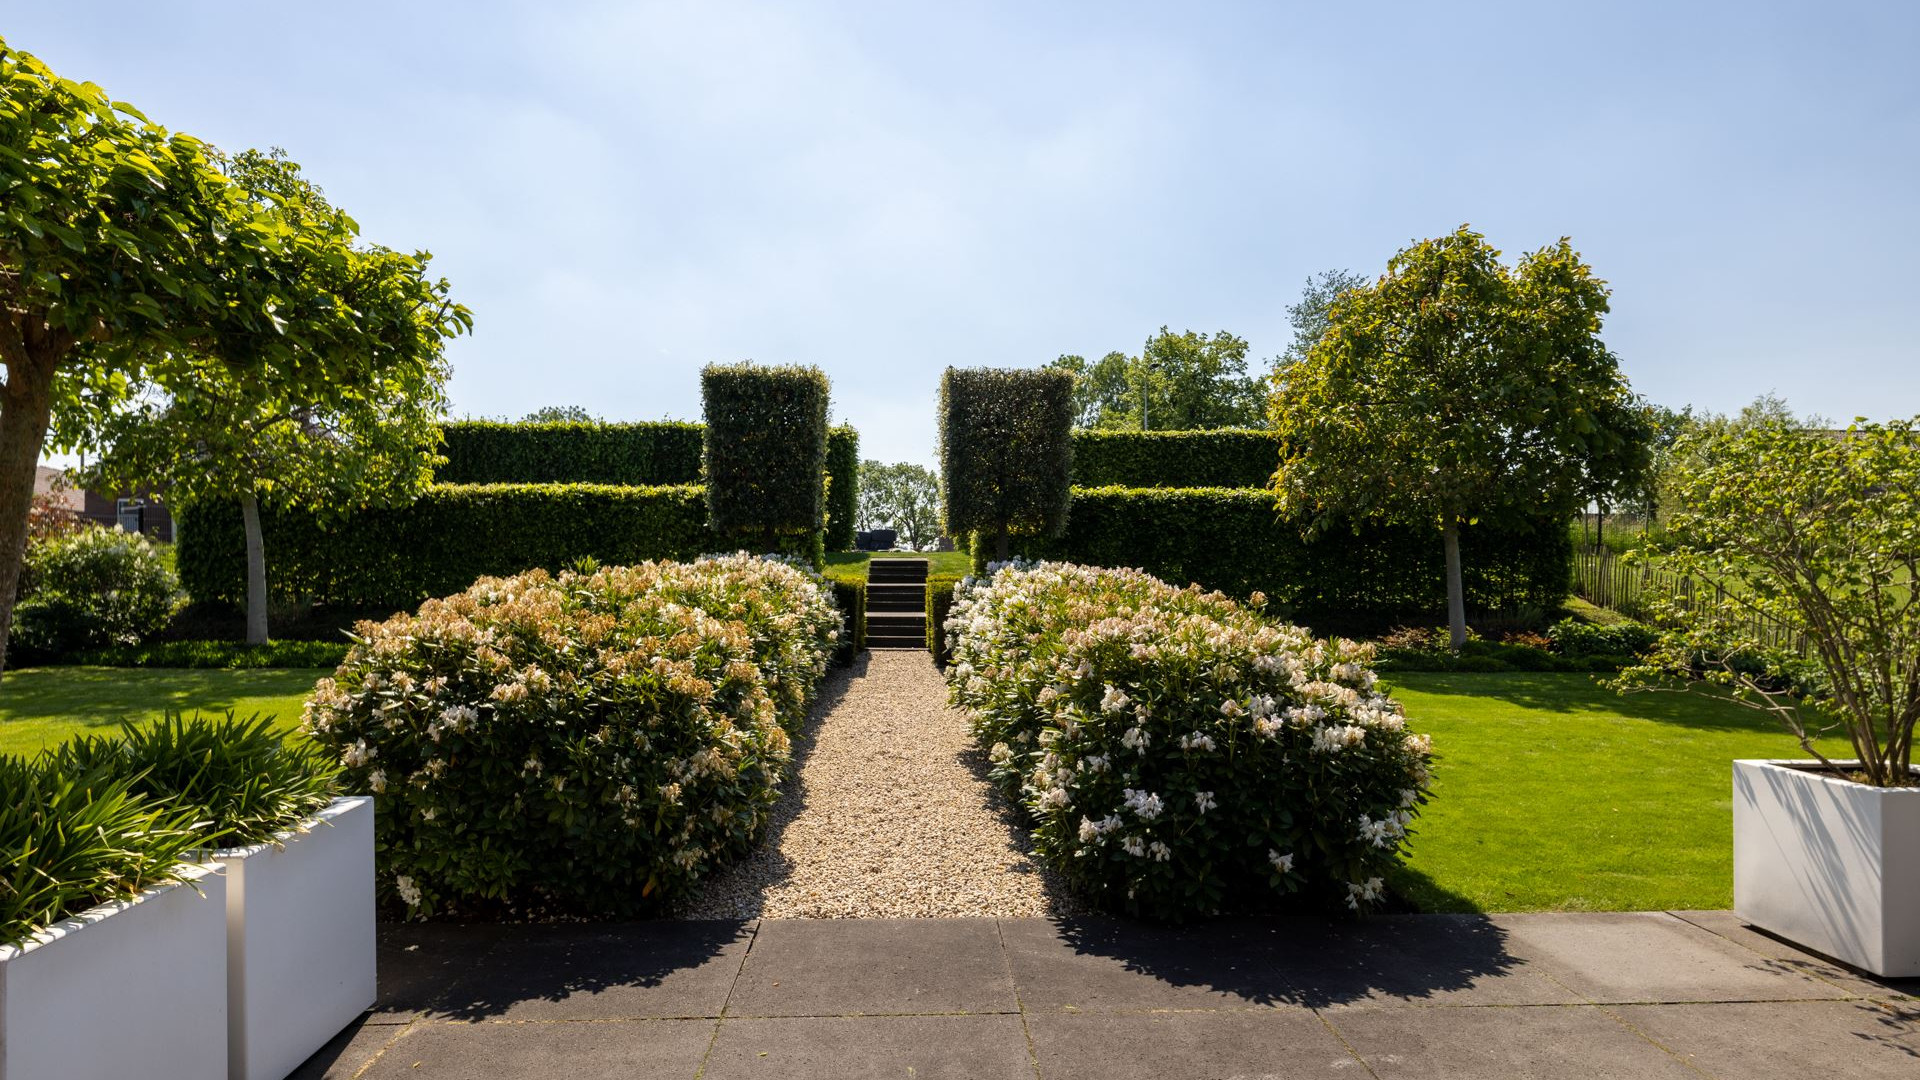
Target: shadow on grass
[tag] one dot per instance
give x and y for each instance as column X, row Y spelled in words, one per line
column 1575, row 694
column 92, row 696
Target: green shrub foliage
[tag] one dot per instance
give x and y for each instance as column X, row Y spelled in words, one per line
column 223, row 655
column 647, row 454
column 581, row 742
column 1628, row 638
column 1006, row 450
column 940, row 589
column 1177, row 751
column 395, row 557
column 1226, row 458
column 243, row 782
column 1233, row 540
column 90, row 589
column 77, row 840
column 843, row 487
column 766, row 449
column 851, row 598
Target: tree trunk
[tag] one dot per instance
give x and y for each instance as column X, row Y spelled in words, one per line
column 1456, row 594
column 1600, row 526
column 256, row 570
column 1000, row 544
column 26, row 402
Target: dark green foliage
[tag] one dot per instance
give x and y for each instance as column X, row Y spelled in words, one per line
column 766, row 449
column 939, row 602
column 242, row 782
column 1233, row 540
column 1494, row 656
column 77, row 840
column 1006, row 450
column 227, row 655
column 1228, row 458
column 489, row 452
column 453, row 534
column 851, row 598
column 843, row 487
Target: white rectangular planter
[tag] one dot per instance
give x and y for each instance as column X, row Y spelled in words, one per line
column 132, row 988
column 300, row 940
column 1829, row 864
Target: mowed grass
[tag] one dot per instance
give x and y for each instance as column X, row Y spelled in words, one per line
column 852, row 565
column 1553, row 793
column 42, row 706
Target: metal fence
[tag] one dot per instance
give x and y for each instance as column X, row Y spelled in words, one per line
column 1601, row 578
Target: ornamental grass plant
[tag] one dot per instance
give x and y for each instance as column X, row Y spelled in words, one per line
column 588, row 742
column 1178, row 752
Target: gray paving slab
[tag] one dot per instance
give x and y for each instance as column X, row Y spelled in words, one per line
column 1280, row 1042
column 494, row 1050
column 417, row 964
column 1110, row 964
column 1860, row 1040
column 1735, row 929
column 1423, row 960
column 857, row 1047
column 1553, row 1042
column 843, row 967
column 348, row 1052
column 1625, row 957
column 601, row 971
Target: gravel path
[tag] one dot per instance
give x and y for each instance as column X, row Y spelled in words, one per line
column 889, row 815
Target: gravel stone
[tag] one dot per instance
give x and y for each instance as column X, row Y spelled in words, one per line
column 889, row 814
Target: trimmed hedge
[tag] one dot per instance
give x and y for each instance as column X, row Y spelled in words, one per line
column 851, row 598
column 395, row 557
column 1006, row 450
column 227, row 655
column 939, row 601
column 843, row 487
column 766, row 449
column 490, row 452
column 1227, row 458
column 1233, row 540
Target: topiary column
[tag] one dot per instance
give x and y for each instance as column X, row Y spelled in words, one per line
column 766, row 455
column 1006, row 451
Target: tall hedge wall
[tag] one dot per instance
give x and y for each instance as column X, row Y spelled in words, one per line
column 396, row 557
column 766, row 451
column 1233, row 540
column 488, row 452
column 1006, row 450
column 1226, row 458
column 843, row 487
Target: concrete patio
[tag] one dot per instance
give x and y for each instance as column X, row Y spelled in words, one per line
column 1681, row 994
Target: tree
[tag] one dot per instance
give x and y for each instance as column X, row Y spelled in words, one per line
column 1309, row 315
column 902, row 496
column 560, row 414
column 130, row 261
column 231, row 440
column 1452, row 389
column 1811, row 535
column 1179, row 382
column 1619, row 459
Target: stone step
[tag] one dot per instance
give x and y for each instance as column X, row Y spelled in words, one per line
column 905, row 622
column 896, row 570
column 896, row 597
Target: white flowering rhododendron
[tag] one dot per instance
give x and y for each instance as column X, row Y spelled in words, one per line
column 1176, row 750
column 587, row 741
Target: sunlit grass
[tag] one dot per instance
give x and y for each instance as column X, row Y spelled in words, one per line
column 42, row 706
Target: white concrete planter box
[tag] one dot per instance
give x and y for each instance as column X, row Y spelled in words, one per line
column 1829, row 864
column 132, row 988
column 300, row 940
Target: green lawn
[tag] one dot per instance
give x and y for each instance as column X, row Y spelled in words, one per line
column 42, row 706
column 852, row 565
column 1555, row 794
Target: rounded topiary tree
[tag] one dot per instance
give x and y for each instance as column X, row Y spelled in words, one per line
column 766, row 454
column 1006, row 451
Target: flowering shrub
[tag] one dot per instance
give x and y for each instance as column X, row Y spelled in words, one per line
column 91, row 589
column 1174, row 748
column 593, row 741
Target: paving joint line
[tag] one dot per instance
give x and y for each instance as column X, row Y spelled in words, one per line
column 380, row 1053
column 1019, row 1006
column 1813, row 957
column 1341, row 1036
column 714, row 1039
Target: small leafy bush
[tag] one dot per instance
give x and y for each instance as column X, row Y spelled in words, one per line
column 1571, row 637
column 75, row 840
column 582, row 742
column 224, row 655
column 241, row 781
column 91, row 589
column 1176, row 750
column 940, row 588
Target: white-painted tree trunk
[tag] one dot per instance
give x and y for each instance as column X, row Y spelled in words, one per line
column 1456, row 594
column 256, row 571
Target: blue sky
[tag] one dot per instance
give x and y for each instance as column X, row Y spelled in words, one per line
column 624, row 192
